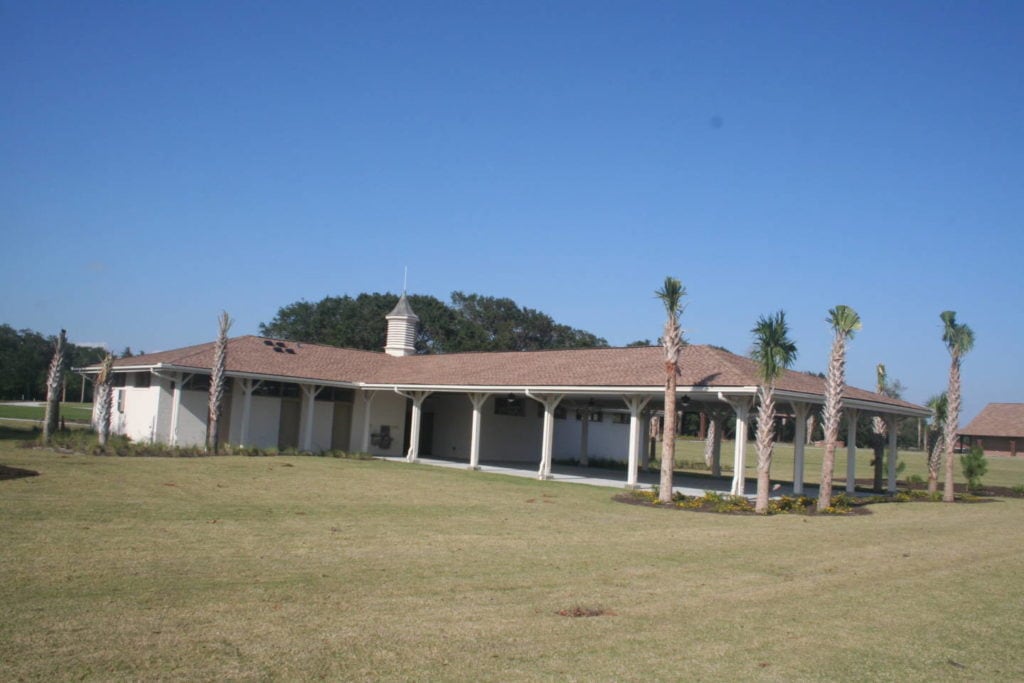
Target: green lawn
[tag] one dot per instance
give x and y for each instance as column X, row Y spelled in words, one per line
column 298, row 567
column 72, row 412
column 1002, row 471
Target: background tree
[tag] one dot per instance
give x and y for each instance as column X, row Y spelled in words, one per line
column 936, row 433
column 844, row 322
column 53, row 386
column 773, row 351
column 217, row 382
column 104, row 397
column 24, row 364
column 879, row 431
column 959, row 339
column 671, row 295
column 471, row 322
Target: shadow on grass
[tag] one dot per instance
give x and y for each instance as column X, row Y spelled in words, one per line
column 15, row 473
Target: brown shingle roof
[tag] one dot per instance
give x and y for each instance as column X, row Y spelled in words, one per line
column 997, row 419
column 700, row 366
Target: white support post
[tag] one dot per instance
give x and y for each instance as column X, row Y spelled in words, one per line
column 585, row 437
column 891, row 425
column 478, row 401
column 741, row 405
column 851, row 450
column 179, row 379
column 550, row 402
column 800, row 412
column 248, row 386
column 417, row 398
column 368, row 397
column 636, row 404
column 309, row 394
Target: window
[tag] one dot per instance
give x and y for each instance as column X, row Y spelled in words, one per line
column 119, row 379
column 511, row 405
column 120, row 400
column 339, row 394
column 595, row 415
column 196, row 383
column 559, row 412
column 621, row 418
column 141, row 380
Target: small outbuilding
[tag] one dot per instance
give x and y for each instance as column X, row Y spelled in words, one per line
column 998, row 429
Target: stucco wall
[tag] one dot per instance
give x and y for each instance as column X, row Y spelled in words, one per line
column 388, row 408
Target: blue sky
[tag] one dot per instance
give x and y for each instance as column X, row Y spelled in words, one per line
column 182, row 158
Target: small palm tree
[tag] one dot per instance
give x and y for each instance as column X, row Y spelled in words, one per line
column 844, row 321
column 104, row 397
column 217, row 381
column 54, row 379
column 937, row 426
column 959, row 339
column 773, row 351
column 671, row 295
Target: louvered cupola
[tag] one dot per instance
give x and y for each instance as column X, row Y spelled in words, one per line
column 401, row 329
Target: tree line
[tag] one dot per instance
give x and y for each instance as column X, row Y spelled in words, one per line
column 468, row 322
column 25, row 357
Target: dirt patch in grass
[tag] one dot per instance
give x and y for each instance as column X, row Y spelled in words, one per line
column 582, row 611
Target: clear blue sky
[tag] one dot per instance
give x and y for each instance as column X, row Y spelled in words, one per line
column 181, row 158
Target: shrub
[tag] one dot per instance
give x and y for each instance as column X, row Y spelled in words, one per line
column 974, row 467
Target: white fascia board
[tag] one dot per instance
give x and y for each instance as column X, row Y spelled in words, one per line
column 550, row 389
column 884, row 408
column 256, row 375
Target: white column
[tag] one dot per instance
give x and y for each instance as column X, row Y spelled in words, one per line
column 478, row 401
column 800, row 411
column 548, row 438
column 741, row 405
column 368, row 397
column 179, row 379
column 851, row 450
column 636, row 405
column 248, row 386
column 891, row 425
column 414, row 424
column 585, row 437
column 309, row 394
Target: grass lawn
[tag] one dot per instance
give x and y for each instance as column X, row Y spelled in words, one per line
column 72, row 412
column 1002, row 471
column 301, row 567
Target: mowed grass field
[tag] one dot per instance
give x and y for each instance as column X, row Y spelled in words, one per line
column 1002, row 471
column 291, row 568
column 72, row 412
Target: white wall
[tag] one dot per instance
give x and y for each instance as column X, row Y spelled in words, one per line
column 605, row 439
column 323, row 422
column 388, row 408
column 192, row 414
column 264, row 421
column 139, row 416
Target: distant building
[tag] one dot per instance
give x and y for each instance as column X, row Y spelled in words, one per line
column 998, row 429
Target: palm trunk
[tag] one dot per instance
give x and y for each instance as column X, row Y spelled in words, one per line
column 934, row 459
column 220, row 355
column 765, row 442
column 709, row 443
column 831, row 415
column 878, row 429
column 53, row 385
column 952, row 424
column 668, row 438
column 104, row 396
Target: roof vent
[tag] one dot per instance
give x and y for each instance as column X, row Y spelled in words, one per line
column 267, row 342
column 278, row 349
column 291, row 351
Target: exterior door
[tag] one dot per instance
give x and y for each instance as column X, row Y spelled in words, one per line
column 342, row 427
column 288, row 429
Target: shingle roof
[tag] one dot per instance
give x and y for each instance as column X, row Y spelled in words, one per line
column 997, row 419
column 700, row 366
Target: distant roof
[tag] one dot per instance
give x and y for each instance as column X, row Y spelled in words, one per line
column 403, row 308
column 701, row 367
column 997, row 419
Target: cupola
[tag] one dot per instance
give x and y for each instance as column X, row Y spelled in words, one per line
column 401, row 329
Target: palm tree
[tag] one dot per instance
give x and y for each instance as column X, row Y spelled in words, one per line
column 959, row 339
column 220, row 358
column 54, row 379
column 938, row 405
column 844, row 321
column 774, row 351
column 878, row 427
column 671, row 295
column 103, row 398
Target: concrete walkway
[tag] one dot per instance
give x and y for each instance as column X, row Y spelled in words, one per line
column 689, row 484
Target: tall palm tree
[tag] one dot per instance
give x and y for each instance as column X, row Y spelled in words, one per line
column 54, row 379
column 671, row 295
column 959, row 339
column 104, row 397
column 878, row 427
column 844, row 321
column 217, row 381
column 773, row 351
column 937, row 425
